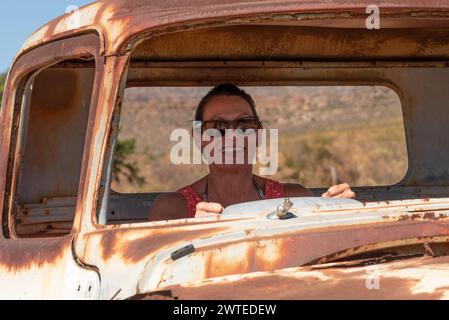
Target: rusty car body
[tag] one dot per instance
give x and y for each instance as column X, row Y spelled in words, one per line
column 58, row 240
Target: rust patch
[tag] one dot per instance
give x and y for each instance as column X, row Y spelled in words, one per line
column 25, row 254
column 157, row 295
column 314, row 246
column 429, row 215
column 425, row 216
column 132, row 251
column 124, row 20
column 302, row 284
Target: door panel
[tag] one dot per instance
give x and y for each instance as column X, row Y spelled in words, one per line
column 50, row 99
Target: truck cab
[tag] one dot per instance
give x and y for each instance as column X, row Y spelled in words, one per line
column 67, row 235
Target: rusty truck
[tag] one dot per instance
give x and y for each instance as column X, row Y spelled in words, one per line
column 65, row 236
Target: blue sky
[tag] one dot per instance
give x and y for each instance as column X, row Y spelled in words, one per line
column 20, row 18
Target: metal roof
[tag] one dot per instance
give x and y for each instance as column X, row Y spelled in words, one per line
column 118, row 21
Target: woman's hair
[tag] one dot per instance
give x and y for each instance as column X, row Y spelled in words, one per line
column 225, row 89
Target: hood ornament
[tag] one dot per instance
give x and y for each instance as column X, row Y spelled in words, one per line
column 282, row 211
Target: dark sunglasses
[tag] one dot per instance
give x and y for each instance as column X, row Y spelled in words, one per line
column 242, row 124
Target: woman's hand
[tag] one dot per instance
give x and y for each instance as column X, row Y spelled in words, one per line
column 339, row 191
column 207, row 209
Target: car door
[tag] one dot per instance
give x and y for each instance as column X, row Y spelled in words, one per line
column 49, row 99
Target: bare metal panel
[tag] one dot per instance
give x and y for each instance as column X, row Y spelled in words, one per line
column 53, row 153
column 278, row 42
column 121, row 21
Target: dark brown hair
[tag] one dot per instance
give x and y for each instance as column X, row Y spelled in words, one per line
column 225, row 89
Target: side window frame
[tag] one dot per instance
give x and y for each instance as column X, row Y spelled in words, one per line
column 24, row 69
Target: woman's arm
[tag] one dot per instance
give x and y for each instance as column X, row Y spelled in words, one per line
column 172, row 206
column 168, row 206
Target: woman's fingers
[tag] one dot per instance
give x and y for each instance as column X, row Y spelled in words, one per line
column 210, row 207
column 206, row 209
column 339, row 191
column 347, row 194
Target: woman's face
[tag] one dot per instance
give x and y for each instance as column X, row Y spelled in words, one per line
column 229, row 108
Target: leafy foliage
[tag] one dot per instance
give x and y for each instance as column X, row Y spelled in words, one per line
column 125, row 168
column 2, row 85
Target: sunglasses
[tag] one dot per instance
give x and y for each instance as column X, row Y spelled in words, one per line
column 243, row 124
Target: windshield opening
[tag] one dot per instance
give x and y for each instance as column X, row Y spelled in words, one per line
column 315, row 137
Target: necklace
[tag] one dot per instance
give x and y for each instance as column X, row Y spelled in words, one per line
column 259, row 191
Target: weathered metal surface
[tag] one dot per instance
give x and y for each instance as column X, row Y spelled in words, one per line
column 12, row 111
column 418, row 278
column 250, row 242
column 120, row 20
column 59, row 108
column 295, row 43
column 97, row 148
column 133, row 259
column 44, row 269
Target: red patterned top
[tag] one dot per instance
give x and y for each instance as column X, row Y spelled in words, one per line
column 273, row 190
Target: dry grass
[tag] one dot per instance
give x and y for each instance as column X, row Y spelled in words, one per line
column 363, row 156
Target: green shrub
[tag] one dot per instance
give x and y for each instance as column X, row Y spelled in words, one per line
column 123, row 166
column 2, row 85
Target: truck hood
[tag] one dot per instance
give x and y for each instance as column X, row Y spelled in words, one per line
column 320, row 230
column 148, row 257
column 418, row 278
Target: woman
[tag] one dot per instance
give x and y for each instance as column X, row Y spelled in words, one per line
column 228, row 184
